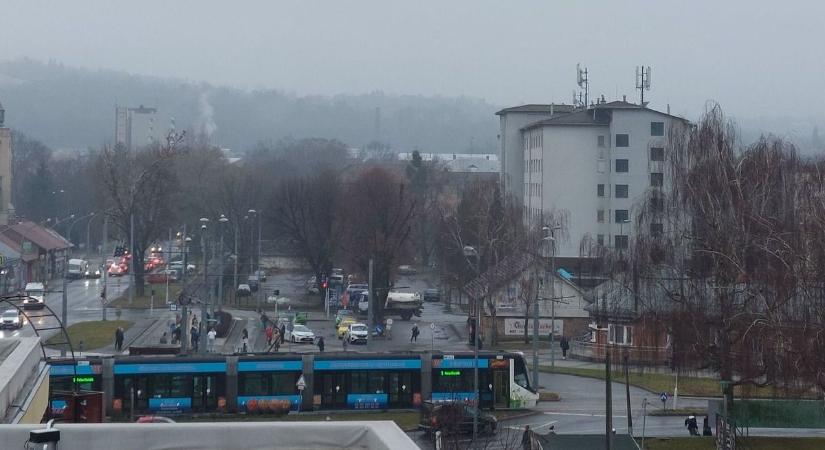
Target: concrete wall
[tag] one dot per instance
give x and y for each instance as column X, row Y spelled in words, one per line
column 378, row 435
column 511, row 153
column 17, row 371
column 569, row 177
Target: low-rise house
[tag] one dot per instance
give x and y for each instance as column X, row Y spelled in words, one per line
column 508, row 292
column 42, row 252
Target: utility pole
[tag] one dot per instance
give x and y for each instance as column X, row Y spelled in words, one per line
column 258, row 262
column 475, row 367
column 63, row 314
column 627, row 392
column 373, row 299
column 104, row 293
column 206, row 288
column 608, row 423
column 235, row 271
column 221, row 222
column 132, row 258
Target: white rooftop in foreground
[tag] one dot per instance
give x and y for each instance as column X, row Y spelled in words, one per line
column 379, row 435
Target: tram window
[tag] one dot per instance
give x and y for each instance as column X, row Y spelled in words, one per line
column 180, row 386
column 252, row 384
column 454, row 380
column 359, row 383
column 520, row 373
column 376, row 383
column 267, row 383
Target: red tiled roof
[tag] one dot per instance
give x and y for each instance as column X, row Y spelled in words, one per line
column 42, row 237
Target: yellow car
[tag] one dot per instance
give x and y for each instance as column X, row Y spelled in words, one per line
column 343, row 327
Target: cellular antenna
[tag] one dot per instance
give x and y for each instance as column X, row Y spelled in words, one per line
column 643, row 81
column 583, row 81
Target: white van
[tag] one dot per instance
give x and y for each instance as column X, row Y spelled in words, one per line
column 77, row 268
column 36, row 295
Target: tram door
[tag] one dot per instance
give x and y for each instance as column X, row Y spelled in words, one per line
column 501, row 388
column 204, row 393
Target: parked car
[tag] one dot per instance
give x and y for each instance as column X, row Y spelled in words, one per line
column 431, row 295
column 341, row 315
column 254, row 283
column 343, row 327
column 358, row 333
column 300, row 333
column 244, row 290
column 406, row 270
column 11, row 319
column 178, row 265
column 154, row 419
column 312, row 286
column 35, row 296
column 454, row 418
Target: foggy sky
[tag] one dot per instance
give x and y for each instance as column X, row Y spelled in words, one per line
column 756, row 58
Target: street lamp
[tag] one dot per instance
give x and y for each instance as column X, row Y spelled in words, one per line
column 204, row 315
column 471, row 252
column 550, row 238
column 257, row 214
column 222, row 220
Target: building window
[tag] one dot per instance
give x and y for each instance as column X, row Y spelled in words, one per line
column 656, row 229
column 600, row 216
column 600, row 239
column 601, row 141
column 620, row 334
column 600, row 190
column 657, row 179
column 622, row 166
column 657, row 128
column 621, row 191
column 657, row 154
column 622, row 140
column 620, row 241
column 657, row 205
column 622, row 216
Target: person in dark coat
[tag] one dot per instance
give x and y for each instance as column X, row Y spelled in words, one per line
column 119, row 339
column 565, row 345
column 526, row 443
column 692, row 426
column 282, row 332
column 706, row 431
column 414, row 333
column 320, row 343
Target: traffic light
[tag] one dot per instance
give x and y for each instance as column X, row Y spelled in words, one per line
column 277, row 292
column 325, row 284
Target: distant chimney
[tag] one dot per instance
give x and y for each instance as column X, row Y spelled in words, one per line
column 552, row 105
column 624, row 98
column 668, row 108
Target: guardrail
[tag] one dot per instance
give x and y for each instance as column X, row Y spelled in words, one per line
column 636, row 354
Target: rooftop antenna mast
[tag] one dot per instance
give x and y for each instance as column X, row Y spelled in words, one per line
column 643, row 81
column 583, row 81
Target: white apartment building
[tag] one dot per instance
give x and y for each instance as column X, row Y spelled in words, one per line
column 510, row 141
column 588, row 169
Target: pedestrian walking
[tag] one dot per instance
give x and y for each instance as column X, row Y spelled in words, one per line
column 414, row 333
column 389, row 328
column 119, row 339
column 210, row 340
column 264, row 319
column 245, row 339
column 692, row 426
column 565, row 345
column 194, row 336
column 346, row 341
column 321, row 345
column 526, row 438
column 269, row 334
column 164, row 339
column 282, row 332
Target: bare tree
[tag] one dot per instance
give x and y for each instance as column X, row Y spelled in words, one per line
column 379, row 233
column 138, row 186
column 729, row 257
column 304, row 211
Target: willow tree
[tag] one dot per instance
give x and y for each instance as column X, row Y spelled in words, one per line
column 728, row 255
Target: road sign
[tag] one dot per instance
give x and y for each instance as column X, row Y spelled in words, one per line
column 301, row 384
column 173, row 307
column 432, row 326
